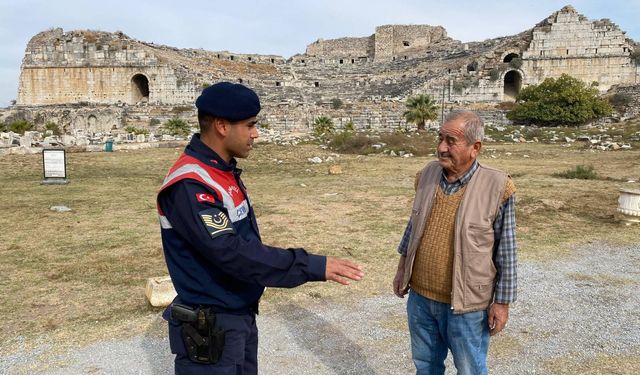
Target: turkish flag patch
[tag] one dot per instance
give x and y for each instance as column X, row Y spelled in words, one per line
column 204, row 197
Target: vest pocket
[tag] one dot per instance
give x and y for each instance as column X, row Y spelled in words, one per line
column 479, row 278
column 478, row 294
column 481, row 238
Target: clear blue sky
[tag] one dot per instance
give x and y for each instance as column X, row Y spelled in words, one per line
column 280, row 27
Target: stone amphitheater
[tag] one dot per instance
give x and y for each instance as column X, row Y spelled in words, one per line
column 99, row 82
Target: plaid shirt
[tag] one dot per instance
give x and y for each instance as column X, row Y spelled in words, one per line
column 504, row 227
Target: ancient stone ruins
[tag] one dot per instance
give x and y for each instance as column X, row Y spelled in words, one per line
column 97, row 82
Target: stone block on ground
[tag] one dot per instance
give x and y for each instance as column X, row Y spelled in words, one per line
column 335, row 169
column 160, row 291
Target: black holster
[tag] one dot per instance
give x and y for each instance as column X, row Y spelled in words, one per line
column 203, row 340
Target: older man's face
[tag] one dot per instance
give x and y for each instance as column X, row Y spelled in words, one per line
column 455, row 155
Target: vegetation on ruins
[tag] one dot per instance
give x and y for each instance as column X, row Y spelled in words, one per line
column 515, row 63
column 349, row 126
column 494, row 74
column 336, row 103
column 55, row 129
column 323, row 126
column 177, row 126
column 136, row 131
column 20, row 126
column 635, row 56
column 562, row 101
column 420, row 109
column 458, row 87
column 620, row 100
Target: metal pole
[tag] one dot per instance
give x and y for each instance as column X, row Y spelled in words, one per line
column 442, row 112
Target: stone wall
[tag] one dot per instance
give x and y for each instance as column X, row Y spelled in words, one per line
column 397, row 41
column 118, row 84
column 567, row 42
column 342, row 48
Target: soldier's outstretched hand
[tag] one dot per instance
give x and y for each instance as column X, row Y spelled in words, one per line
column 341, row 271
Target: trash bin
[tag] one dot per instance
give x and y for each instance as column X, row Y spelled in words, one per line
column 108, row 145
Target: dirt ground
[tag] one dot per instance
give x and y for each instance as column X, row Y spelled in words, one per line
column 75, row 280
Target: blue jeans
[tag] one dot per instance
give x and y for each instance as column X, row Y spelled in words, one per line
column 434, row 328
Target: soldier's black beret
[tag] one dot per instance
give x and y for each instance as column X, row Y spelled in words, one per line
column 230, row 101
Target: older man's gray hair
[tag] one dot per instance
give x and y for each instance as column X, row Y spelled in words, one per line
column 473, row 125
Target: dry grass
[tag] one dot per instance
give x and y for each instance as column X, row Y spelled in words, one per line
column 85, row 270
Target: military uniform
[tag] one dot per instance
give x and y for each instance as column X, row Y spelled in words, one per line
column 215, row 256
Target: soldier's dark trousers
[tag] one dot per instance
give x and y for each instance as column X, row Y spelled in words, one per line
column 240, row 353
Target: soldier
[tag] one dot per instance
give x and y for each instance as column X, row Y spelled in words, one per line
column 212, row 246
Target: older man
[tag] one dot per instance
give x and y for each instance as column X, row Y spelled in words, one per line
column 458, row 253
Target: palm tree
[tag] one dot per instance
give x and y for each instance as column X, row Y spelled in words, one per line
column 420, row 109
column 323, row 126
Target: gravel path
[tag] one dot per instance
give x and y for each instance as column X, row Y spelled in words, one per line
column 570, row 312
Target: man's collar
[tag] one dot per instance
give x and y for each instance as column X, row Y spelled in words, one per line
column 204, row 153
column 465, row 177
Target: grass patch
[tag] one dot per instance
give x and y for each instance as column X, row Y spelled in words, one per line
column 580, row 172
column 419, row 143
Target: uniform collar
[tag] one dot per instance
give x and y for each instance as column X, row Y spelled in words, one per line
column 205, row 154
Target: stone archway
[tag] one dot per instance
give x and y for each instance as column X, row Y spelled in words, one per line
column 139, row 88
column 512, row 84
column 510, row 57
column 92, row 123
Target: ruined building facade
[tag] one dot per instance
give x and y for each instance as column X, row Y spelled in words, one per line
column 75, row 76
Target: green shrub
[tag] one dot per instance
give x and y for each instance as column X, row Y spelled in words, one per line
column 20, row 126
column 265, row 126
column 50, row 125
column 620, row 100
column 562, row 101
column 515, row 63
column 177, row 126
column 323, row 126
column 580, row 172
column 458, row 87
column 136, row 131
column 635, row 56
column 336, row 103
column 494, row 74
column 155, row 122
column 360, row 143
column 349, row 126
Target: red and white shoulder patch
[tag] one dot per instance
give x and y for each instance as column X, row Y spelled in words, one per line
column 205, row 197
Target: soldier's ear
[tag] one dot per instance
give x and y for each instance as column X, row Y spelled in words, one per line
column 220, row 126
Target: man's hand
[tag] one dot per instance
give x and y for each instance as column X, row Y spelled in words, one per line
column 339, row 270
column 498, row 316
column 397, row 280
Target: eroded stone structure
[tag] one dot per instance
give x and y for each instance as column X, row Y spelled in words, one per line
column 102, row 81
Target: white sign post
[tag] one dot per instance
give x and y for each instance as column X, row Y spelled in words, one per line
column 54, row 164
